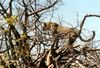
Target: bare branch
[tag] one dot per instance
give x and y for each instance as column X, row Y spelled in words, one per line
column 44, row 8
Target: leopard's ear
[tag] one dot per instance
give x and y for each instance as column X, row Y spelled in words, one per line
column 56, row 25
column 44, row 24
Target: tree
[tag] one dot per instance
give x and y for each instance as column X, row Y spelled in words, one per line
column 23, row 43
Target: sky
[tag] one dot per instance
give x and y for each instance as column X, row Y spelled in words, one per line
column 71, row 8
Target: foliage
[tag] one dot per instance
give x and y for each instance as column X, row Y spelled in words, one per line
column 11, row 20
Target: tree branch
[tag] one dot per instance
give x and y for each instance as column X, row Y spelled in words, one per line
column 44, row 8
